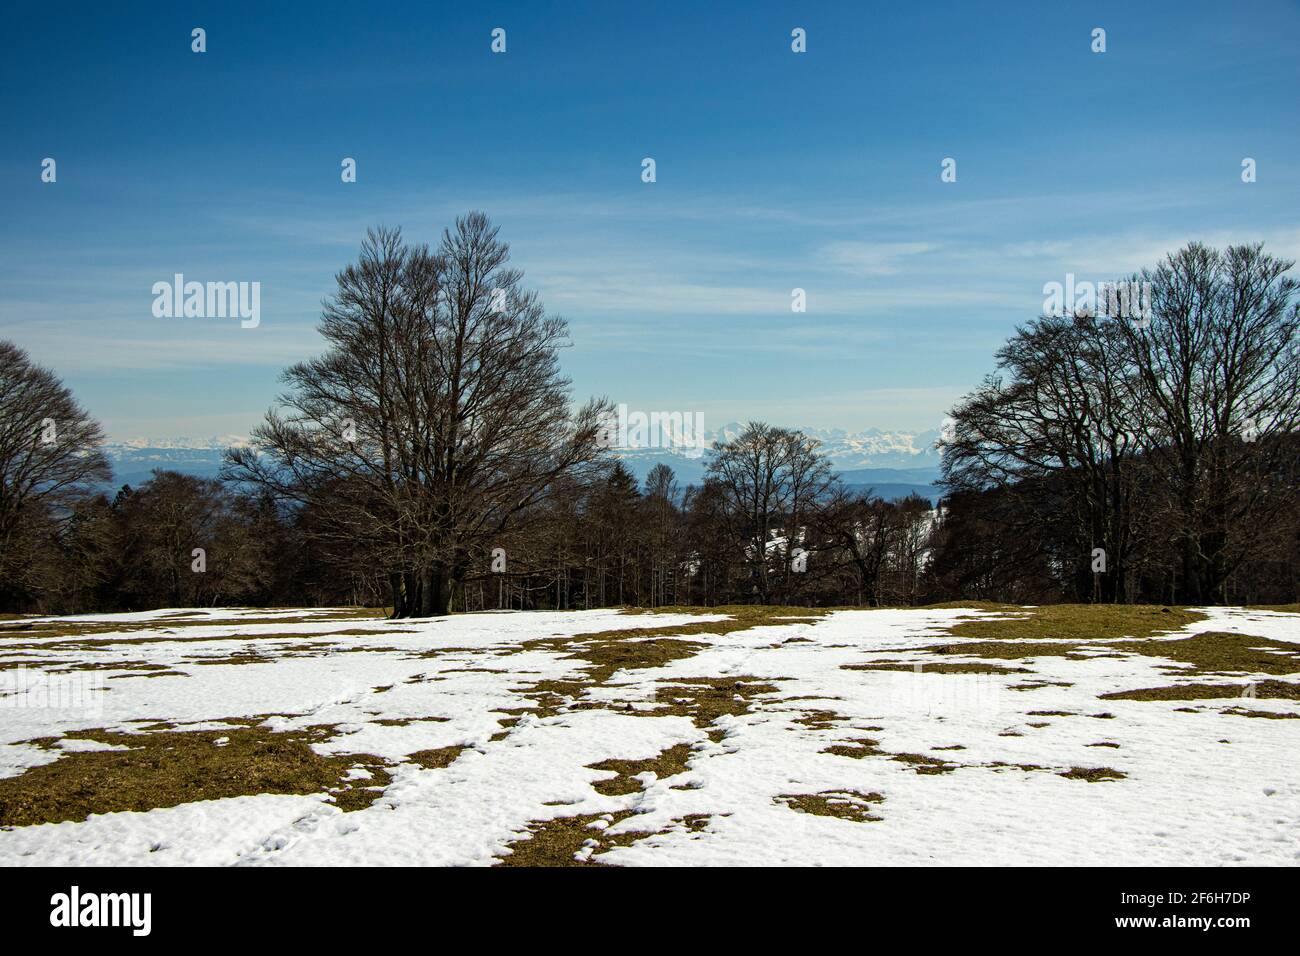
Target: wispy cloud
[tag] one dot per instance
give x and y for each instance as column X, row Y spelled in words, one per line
column 874, row 258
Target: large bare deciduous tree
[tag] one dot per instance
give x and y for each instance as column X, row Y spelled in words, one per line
column 1155, row 448
column 1217, row 394
column 50, row 459
column 436, row 420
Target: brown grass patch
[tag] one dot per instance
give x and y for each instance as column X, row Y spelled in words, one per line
column 170, row 624
column 705, row 699
column 1077, row 622
column 866, row 747
column 170, row 768
column 843, row 804
column 556, row 842
column 1093, row 774
column 819, row 719
column 1268, row 689
column 437, row 757
column 667, row 763
column 941, row 668
column 1213, row 652
column 1007, row 650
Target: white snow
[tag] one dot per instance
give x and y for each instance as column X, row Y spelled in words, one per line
column 1202, row 786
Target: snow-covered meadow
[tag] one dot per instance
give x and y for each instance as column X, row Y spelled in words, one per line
column 853, row 737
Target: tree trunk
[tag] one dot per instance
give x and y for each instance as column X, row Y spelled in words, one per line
column 399, row 599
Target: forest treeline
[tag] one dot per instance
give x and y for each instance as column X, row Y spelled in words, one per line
column 431, row 460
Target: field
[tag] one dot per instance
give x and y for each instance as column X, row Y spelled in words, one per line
column 726, row 736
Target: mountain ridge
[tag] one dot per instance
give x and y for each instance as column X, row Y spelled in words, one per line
column 896, row 461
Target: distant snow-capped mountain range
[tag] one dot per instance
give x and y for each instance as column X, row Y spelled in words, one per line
column 895, row 463
column 215, row 443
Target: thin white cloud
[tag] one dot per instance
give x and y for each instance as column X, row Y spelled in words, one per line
column 874, row 258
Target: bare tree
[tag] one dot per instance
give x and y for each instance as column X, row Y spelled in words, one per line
column 1056, row 430
column 662, row 532
column 188, row 541
column 855, row 527
column 1217, row 389
column 50, row 458
column 772, row 480
column 1160, row 444
column 438, row 417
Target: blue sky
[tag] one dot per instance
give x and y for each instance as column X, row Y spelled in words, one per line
column 775, row 170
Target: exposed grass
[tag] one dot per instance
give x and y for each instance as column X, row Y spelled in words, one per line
column 1093, row 774
column 974, row 605
column 819, row 719
column 1082, row 632
column 551, row 696
column 667, row 763
column 705, row 699
column 1265, row 714
column 407, row 721
column 557, row 842
column 437, row 757
column 942, row 668
column 843, row 804
column 743, row 616
column 608, row 656
column 1077, row 622
column 866, row 747
column 1268, row 689
column 1213, row 652
column 1008, row 650
column 67, row 628
column 926, row 765
column 169, row 768
column 306, row 641
column 606, row 653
